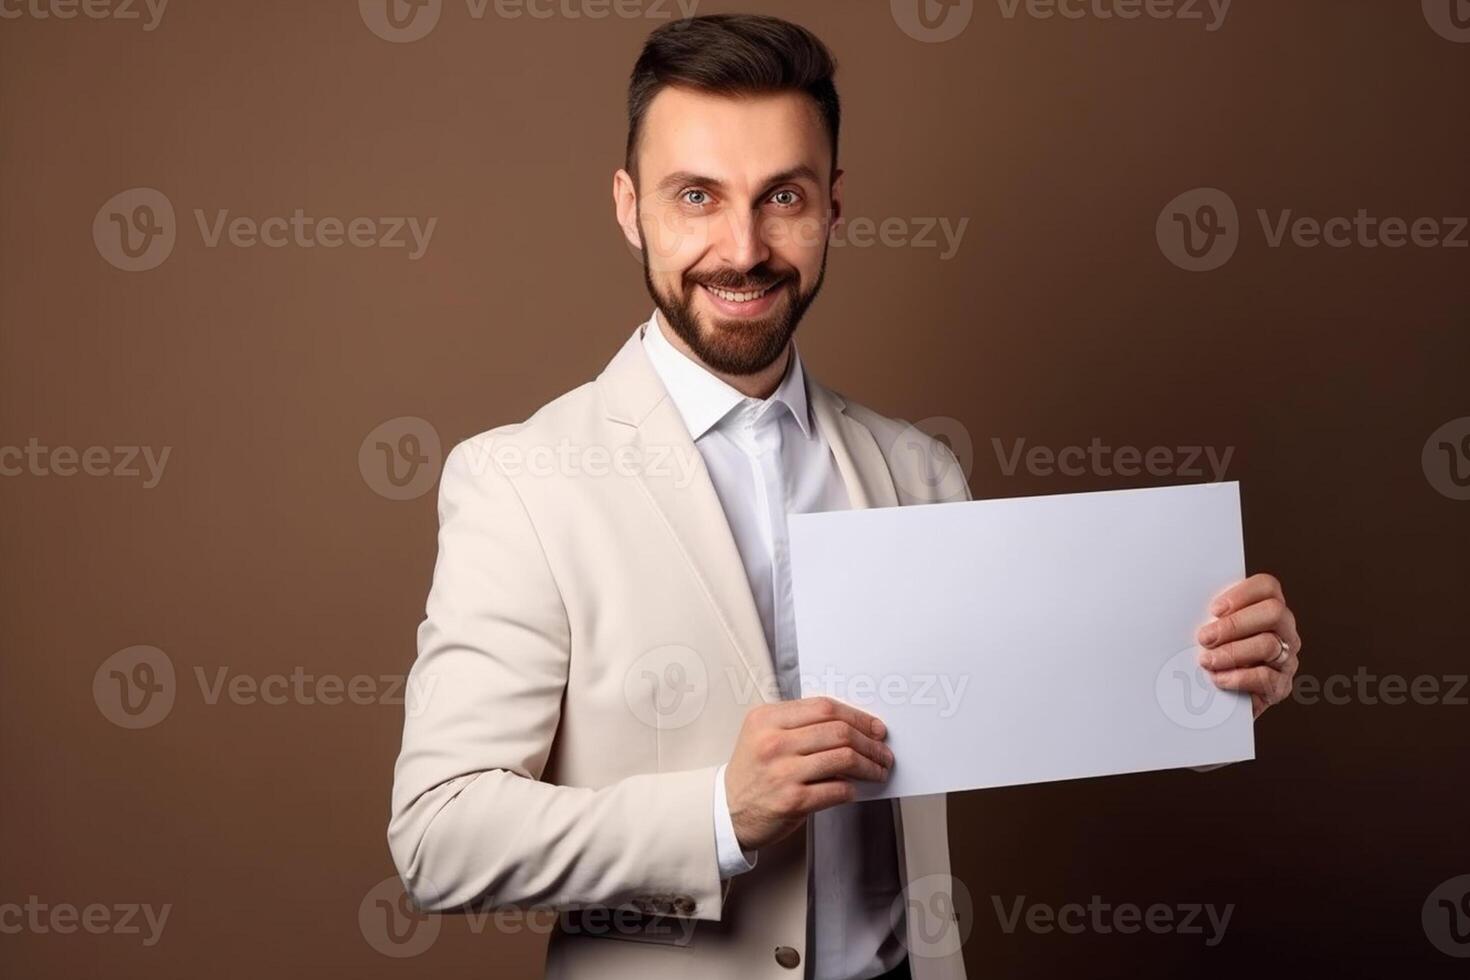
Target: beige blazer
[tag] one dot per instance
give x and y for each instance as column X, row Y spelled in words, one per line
column 589, row 650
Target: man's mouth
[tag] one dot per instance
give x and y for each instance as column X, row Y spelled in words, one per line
column 740, row 296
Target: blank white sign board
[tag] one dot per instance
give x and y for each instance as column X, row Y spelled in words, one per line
column 1028, row 639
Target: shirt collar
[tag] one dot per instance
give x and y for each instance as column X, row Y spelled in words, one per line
column 703, row 400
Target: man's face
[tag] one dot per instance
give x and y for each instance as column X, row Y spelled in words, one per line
column 732, row 208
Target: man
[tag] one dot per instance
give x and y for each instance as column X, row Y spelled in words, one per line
column 615, row 729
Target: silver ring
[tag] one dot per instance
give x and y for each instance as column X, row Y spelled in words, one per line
column 1281, row 656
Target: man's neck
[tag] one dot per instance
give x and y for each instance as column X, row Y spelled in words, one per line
column 761, row 385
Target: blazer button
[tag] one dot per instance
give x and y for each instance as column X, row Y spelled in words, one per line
column 683, row 905
column 788, row 957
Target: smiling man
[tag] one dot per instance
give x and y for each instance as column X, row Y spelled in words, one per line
column 616, row 730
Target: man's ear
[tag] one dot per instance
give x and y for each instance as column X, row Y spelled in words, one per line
column 837, row 176
column 625, row 205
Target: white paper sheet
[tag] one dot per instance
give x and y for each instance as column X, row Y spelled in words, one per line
column 1028, row 639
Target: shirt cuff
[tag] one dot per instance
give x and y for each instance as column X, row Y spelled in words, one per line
column 733, row 859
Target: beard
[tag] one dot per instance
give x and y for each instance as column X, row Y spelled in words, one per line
column 736, row 346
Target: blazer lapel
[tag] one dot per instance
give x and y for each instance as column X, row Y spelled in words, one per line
column 673, row 474
column 860, row 460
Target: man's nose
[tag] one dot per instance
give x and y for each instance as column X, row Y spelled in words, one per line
column 742, row 244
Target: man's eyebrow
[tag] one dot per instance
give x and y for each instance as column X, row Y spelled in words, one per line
column 684, row 178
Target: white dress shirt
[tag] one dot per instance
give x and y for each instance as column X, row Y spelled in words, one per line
column 767, row 459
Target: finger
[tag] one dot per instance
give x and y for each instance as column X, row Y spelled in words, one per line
column 837, row 734
column 1246, row 592
column 823, row 795
column 1288, row 632
column 845, row 762
column 1263, row 648
column 1257, row 618
column 811, row 711
column 1271, row 685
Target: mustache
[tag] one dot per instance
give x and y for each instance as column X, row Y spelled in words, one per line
column 756, row 280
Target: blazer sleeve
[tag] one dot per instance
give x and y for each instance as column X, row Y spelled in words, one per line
column 471, row 822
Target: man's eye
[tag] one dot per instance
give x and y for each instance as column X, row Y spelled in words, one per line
column 785, row 199
column 696, row 197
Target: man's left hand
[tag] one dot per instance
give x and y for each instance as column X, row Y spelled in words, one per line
column 1252, row 644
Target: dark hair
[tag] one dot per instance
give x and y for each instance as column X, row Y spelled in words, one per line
column 733, row 54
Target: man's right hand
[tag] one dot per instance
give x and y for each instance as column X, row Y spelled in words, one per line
column 797, row 757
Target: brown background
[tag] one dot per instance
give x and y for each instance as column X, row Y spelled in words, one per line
column 264, row 548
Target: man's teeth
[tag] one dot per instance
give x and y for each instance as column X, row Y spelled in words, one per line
column 733, row 297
